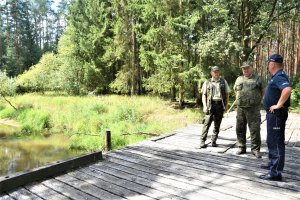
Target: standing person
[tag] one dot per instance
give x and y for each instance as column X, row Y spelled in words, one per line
column 276, row 103
column 215, row 96
column 249, row 90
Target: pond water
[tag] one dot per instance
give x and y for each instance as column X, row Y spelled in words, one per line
column 23, row 154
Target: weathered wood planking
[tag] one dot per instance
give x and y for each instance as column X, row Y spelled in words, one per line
column 171, row 187
column 173, row 167
column 193, row 176
column 211, row 168
column 115, row 178
column 45, row 192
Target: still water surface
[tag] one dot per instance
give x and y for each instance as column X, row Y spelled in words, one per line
column 23, row 154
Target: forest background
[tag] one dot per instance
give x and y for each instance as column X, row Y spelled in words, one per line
column 138, row 47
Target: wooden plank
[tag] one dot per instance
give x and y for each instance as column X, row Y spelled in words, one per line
column 23, row 194
column 67, row 190
column 45, row 192
column 198, row 182
column 222, row 144
column 12, row 181
column 159, row 166
column 4, row 196
column 90, row 189
column 234, row 161
column 163, row 136
column 236, row 172
column 148, row 191
column 170, row 186
column 108, row 186
column 199, row 178
column 291, row 153
column 191, row 172
column 148, row 182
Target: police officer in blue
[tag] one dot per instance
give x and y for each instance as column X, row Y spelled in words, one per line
column 276, row 103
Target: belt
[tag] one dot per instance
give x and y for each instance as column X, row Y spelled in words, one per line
column 280, row 110
column 216, row 103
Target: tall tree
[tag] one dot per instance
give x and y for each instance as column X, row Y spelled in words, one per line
column 90, row 33
column 27, row 30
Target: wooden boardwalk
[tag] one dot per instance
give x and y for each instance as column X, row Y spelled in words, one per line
column 173, row 167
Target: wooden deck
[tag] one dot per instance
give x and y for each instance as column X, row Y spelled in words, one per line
column 173, row 167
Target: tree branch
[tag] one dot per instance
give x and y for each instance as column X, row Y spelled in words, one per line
column 8, row 101
column 267, row 26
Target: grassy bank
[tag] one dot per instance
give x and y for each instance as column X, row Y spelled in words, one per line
column 84, row 120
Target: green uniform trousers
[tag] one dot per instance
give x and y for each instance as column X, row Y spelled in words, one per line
column 252, row 117
column 216, row 115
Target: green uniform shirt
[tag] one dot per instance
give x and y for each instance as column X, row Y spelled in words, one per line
column 248, row 90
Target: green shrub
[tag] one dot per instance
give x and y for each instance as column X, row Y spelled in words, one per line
column 295, row 97
column 99, row 108
column 86, row 142
column 42, row 76
column 8, row 85
column 128, row 118
column 8, row 112
column 128, row 113
column 2, row 107
column 34, row 121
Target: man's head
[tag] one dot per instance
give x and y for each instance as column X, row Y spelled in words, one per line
column 275, row 62
column 215, row 72
column 247, row 69
column 276, row 58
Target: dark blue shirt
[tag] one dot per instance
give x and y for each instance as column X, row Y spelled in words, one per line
column 279, row 81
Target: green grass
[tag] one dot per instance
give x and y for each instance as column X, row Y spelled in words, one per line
column 84, row 120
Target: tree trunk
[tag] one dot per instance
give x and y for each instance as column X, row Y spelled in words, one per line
column 134, row 64
column 297, row 60
column 1, row 47
column 173, row 93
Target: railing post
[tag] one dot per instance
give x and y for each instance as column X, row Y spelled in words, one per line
column 107, row 140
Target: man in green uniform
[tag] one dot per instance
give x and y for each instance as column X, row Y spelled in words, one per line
column 249, row 90
column 215, row 95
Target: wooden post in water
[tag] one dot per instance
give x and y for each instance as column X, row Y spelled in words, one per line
column 107, row 140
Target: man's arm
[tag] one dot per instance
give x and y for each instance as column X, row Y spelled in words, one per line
column 285, row 93
column 227, row 95
column 204, row 103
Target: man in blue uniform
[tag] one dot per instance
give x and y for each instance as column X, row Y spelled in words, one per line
column 276, row 103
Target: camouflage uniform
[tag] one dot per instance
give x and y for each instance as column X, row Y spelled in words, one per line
column 248, row 93
column 215, row 107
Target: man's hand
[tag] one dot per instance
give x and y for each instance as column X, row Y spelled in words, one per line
column 286, row 92
column 205, row 109
column 273, row 108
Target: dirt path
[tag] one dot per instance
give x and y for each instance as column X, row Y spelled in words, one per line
column 9, row 122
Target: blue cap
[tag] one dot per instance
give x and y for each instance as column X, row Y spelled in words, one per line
column 276, row 58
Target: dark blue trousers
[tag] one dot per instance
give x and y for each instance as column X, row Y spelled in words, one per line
column 275, row 140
